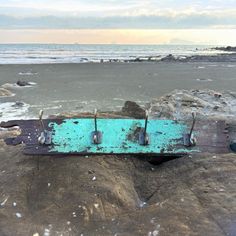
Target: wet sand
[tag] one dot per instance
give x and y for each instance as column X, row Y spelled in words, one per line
column 83, row 87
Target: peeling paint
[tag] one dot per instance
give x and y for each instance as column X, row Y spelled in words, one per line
column 118, row 136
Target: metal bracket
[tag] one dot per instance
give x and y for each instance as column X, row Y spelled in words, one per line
column 96, row 135
column 188, row 138
column 143, row 135
column 45, row 137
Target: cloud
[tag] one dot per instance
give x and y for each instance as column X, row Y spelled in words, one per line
column 117, row 14
column 169, row 21
column 110, row 7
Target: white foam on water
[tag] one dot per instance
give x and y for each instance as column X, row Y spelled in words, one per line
column 118, row 99
column 205, row 80
column 52, row 107
column 12, row 110
column 10, row 86
column 28, row 73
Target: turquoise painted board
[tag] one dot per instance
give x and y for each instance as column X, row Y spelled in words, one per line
column 118, row 136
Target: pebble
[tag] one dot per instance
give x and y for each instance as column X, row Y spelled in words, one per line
column 94, row 178
column 142, row 204
column 46, row 232
column 4, row 202
column 18, row 215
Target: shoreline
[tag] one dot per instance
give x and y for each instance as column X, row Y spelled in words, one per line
column 44, row 54
column 221, row 57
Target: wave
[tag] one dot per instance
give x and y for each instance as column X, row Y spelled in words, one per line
column 41, row 54
column 13, row 110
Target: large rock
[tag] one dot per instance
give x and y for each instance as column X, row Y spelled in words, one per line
column 208, row 104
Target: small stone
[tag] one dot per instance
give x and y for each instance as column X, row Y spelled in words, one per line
column 18, row 215
column 94, row 178
column 155, row 232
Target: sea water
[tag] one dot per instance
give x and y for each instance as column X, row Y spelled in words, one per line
column 77, row 53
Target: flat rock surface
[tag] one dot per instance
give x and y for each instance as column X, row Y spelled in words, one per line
column 111, row 195
column 206, row 103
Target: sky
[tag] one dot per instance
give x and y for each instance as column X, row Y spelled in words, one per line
column 118, row 21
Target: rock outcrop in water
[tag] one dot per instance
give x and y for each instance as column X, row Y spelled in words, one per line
column 194, row 58
column 5, row 93
column 22, row 83
column 227, row 49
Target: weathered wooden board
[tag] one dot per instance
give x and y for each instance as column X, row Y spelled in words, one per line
column 119, row 136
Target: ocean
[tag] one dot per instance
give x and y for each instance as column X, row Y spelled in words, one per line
column 76, row 53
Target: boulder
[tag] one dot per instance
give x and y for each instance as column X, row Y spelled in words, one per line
column 180, row 104
column 22, row 83
column 132, row 109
